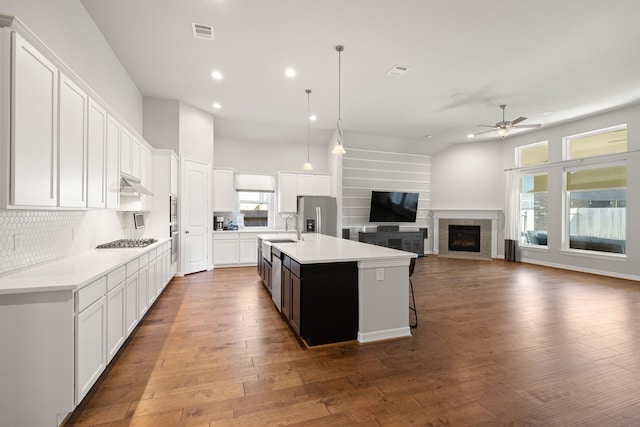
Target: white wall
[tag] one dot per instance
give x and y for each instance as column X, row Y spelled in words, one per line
column 471, row 176
column 196, row 133
column 468, row 176
column 161, row 123
column 68, row 30
column 268, row 157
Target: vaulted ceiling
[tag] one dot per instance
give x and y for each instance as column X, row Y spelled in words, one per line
column 549, row 60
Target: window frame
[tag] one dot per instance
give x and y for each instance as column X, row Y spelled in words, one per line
column 566, row 142
column 270, row 211
column 566, row 211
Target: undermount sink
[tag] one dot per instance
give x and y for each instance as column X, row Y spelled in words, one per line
column 282, row 241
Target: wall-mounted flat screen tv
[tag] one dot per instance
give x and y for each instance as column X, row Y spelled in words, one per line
column 393, row 206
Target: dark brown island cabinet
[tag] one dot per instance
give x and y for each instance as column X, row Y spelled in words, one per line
column 320, row 301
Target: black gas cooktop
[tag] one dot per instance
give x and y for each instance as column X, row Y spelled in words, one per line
column 127, row 243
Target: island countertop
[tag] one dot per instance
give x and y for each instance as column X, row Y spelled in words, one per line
column 319, row 248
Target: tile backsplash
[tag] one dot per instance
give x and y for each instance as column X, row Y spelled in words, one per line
column 31, row 237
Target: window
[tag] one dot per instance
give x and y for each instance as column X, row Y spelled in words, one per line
column 533, row 209
column 256, row 206
column 533, row 154
column 597, row 208
column 597, row 143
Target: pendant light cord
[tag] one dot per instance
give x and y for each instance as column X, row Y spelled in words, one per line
column 339, row 49
column 308, row 124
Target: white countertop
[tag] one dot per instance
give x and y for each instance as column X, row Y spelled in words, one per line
column 71, row 273
column 319, row 248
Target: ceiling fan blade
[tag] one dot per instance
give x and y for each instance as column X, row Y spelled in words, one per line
column 487, row 126
column 533, row 125
column 484, row 131
column 518, row 120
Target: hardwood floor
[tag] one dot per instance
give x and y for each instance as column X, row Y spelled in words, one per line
column 498, row 344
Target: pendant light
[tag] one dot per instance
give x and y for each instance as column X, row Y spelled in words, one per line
column 339, row 149
column 307, row 166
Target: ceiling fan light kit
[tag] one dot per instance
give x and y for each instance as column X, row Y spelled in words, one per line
column 504, row 127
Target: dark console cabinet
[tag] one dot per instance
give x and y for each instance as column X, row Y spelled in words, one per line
column 320, row 301
column 409, row 241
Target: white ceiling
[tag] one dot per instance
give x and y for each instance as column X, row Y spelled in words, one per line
column 572, row 57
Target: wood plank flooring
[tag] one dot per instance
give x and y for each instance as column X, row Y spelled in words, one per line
column 498, row 344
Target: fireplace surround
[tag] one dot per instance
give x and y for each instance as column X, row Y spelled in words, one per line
column 487, row 220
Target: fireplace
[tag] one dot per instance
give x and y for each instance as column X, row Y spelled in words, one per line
column 464, row 238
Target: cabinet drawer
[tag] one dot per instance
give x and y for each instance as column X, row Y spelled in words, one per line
column 143, row 260
column 225, row 235
column 132, row 267
column 248, row 236
column 90, row 293
column 116, row 277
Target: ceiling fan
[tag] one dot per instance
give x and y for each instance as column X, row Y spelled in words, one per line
column 504, row 127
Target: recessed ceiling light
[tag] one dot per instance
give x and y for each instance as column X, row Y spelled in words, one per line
column 428, row 136
column 216, row 105
column 290, row 72
column 216, row 75
column 313, row 118
column 470, row 135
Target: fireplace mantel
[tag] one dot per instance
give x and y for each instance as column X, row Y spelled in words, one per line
column 466, row 214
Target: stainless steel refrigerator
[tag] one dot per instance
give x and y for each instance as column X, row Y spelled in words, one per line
column 318, row 214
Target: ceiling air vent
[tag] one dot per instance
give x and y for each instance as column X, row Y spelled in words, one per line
column 397, row 71
column 202, row 31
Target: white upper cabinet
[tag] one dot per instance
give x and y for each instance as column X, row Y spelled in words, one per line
column 34, row 146
column 126, row 142
column 174, row 176
column 136, row 158
column 305, row 185
column 287, row 192
column 321, row 185
column 72, row 145
column 223, row 190
column 113, row 163
column 96, row 141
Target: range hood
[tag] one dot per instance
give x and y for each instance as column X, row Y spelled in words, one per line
column 130, row 186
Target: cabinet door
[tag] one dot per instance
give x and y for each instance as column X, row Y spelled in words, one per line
column 90, row 346
column 34, row 146
column 321, row 185
column 72, row 145
column 143, row 285
column 96, row 144
column 126, row 142
column 136, row 156
column 225, row 251
column 152, row 283
column 305, row 185
column 113, row 163
column 115, row 320
column 248, row 253
column 286, row 293
column 287, row 192
column 223, row 191
column 296, row 292
column 146, row 177
column 174, row 176
column 131, row 303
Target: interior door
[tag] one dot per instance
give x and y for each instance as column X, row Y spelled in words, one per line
column 195, row 215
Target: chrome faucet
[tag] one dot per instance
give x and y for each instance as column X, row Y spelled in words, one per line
column 298, row 229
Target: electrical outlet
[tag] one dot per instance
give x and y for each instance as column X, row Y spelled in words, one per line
column 379, row 274
column 18, row 243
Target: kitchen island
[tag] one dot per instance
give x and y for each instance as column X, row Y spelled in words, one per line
column 326, row 280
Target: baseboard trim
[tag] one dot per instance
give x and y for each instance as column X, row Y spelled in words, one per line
column 583, row 270
column 387, row 334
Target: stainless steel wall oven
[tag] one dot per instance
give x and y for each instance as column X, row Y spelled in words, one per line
column 173, row 233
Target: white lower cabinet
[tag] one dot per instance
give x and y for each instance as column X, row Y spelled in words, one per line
column 143, row 286
column 90, row 343
column 131, row 303
column 226, row 249
column 115, row 320
column 248, row 244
